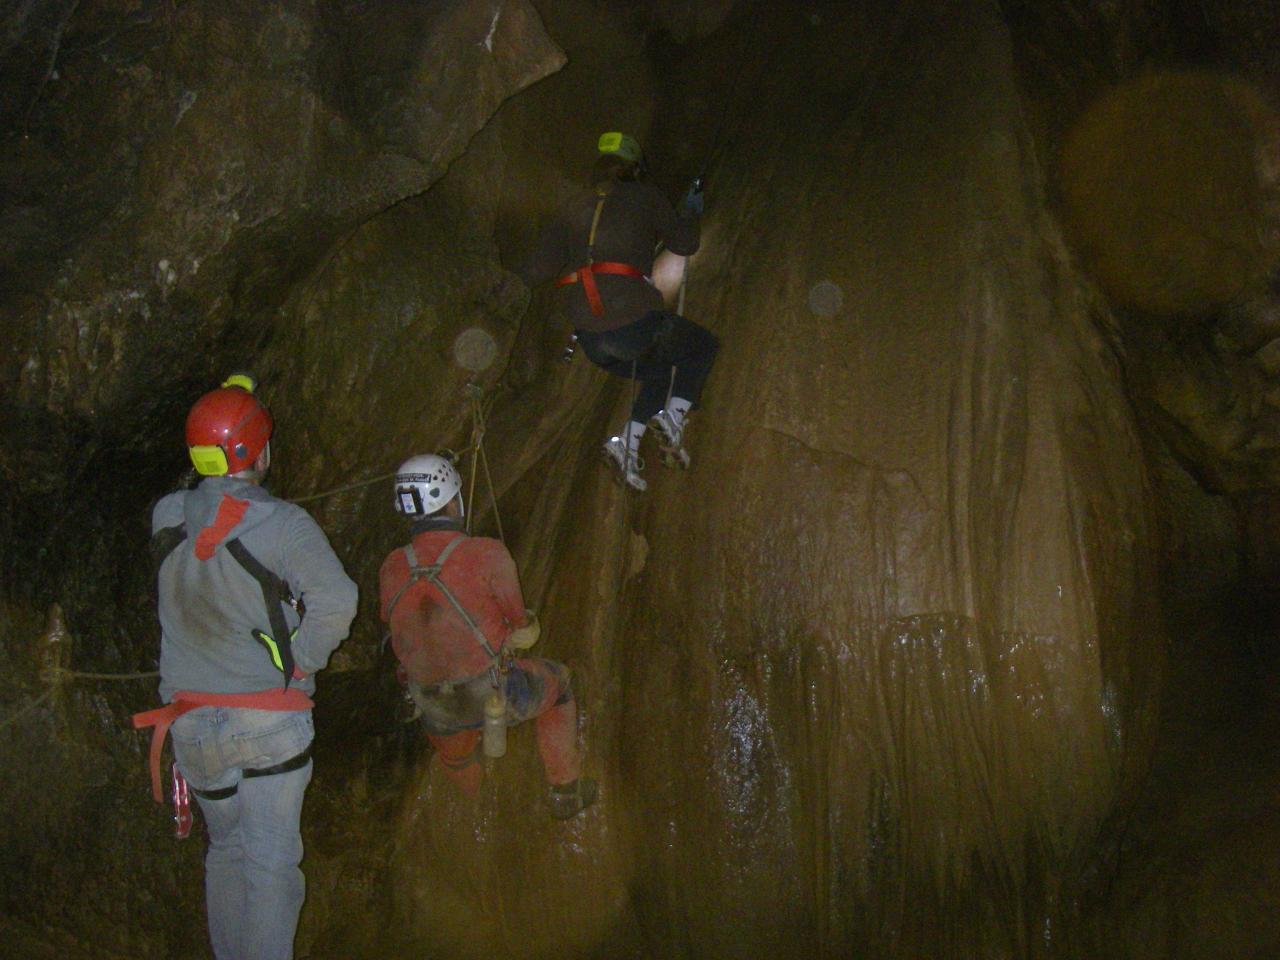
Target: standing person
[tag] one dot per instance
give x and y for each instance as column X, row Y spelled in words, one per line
column 455, row 610
column 252, row 601
column 601, row 247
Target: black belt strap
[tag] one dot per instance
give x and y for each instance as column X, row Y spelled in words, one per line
column 216, row 794
column 165, row 541
column 288, row 766
column 274, row 593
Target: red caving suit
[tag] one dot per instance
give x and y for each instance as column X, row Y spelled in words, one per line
column 449, row 671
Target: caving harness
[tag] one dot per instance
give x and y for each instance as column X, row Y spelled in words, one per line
column 184, row 701
column 182, row 791
column 586, row 275
column 275, row 594
column 497, row 662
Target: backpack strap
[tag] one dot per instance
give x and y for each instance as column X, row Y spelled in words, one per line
column 587, row 274
column 603, row 195
column 164, row 541
column 275, row 594
column 432, row 573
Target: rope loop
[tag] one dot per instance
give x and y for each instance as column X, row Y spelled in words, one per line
column 479, row 459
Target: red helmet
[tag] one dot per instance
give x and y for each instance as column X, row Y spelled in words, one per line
column 227, row 429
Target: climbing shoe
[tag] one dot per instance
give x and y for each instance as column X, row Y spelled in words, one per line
column 670, row 432
column 567, row 800
column 626, row 464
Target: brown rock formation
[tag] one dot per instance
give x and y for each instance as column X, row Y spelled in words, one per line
column 888, row 652
column 875, row 677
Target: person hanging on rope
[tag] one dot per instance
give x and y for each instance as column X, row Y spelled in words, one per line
column 455, row 611
column 252, row 603
column 601, row 247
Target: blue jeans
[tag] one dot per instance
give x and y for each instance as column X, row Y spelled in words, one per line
column 253, row 886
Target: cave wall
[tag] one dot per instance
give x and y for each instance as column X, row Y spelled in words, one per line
column 886, row 655
column 931, row 576
column 1164, row 144
column 173, row 175
column 872, row 677
column 171, row 181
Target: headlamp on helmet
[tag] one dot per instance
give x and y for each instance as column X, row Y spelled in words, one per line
column 623, row 145
column 425, row 484
column 228, row 428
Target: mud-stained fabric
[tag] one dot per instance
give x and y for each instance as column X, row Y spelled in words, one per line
column 209, row 606
column 535, row 689
column 448, row 671
column 429, row 637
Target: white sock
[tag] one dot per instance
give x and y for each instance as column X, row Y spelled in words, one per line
column 632, row 433
column 677, row 408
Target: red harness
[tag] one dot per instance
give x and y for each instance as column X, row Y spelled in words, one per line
column 184, row 701
column 587, row 277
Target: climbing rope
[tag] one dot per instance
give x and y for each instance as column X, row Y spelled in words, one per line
column 86, row 675
column 625, row 539
column 729, row 126
column 479, row 459
column 479, row 462
column 684, row 280
column 53, row 674
column 343, row 489
column 7, row 721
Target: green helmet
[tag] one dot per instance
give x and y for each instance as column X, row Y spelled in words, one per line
column 627, row 147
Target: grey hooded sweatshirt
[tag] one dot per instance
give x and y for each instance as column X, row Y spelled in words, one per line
column 209, row 607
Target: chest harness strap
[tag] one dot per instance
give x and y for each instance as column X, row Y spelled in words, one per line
column 275, row 594
column 587, row 274
column 431, row 573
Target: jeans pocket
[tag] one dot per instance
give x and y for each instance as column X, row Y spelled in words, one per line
column 196, row 747
column 267, row 741
column 200, row 761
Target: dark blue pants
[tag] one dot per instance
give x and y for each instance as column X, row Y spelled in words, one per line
column 655, row 343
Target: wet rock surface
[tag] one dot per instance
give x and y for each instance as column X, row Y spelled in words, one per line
column 881, row 674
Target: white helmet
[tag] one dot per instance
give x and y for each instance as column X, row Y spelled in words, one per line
column 426, row 483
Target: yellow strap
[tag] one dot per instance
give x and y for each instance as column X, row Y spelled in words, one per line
column 595, row 222
column 273, row 648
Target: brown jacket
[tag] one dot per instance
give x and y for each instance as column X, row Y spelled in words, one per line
column 636, row 218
